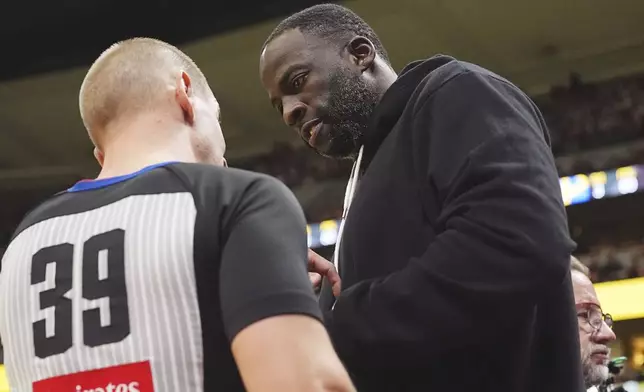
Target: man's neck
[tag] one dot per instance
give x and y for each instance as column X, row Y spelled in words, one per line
column 387, row 77
column 131, row 153
column 126, row 166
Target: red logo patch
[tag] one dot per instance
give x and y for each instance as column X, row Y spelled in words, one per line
column 133, row 377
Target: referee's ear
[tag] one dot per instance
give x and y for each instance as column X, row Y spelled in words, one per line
column 100, row 158
column 183, row 94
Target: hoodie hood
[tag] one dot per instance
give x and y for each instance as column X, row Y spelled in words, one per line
column 394, row 101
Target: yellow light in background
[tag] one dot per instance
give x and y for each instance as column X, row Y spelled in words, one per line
column 627, row 180
column 566, row 190
column 328, row 232
column 626, row 171
column 309, row 238
column 623, row 299
column 4, row 383
column 598, row 184
column 573, row 186
column 637, row 343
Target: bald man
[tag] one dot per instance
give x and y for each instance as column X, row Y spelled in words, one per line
column 169, row 272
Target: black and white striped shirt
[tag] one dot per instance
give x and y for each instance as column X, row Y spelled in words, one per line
column 139, row 283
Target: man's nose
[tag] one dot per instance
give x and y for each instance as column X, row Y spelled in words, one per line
column 604, row 335
column 293, row 112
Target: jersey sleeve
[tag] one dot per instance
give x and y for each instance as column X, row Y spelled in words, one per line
column 263, row 268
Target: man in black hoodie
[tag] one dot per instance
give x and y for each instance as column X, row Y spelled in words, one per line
column 455, row 250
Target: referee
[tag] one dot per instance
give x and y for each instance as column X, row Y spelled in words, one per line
column 170, row 272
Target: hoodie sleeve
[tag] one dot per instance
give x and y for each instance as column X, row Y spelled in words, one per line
column 501, row 234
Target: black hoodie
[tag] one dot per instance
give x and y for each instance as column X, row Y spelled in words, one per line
column 455, row 256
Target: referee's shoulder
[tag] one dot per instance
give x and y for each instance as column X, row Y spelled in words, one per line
column 227, row 179
column 220, row 174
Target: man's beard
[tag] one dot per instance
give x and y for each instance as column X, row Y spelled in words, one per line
column 594, row 374
column 348, row 111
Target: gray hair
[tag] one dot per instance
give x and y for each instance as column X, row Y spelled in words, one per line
column 576, row 265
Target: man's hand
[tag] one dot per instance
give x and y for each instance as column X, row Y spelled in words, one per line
column 320, row 267
column 316, row 281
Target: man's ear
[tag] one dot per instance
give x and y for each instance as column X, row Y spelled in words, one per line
column 183, row 93
column 362, row 51
column 98, row 154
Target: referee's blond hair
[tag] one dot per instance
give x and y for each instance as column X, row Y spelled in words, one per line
column 128, row 78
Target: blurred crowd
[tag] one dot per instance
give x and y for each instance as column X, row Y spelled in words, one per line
column 582, row 117
column 296, row 166
column 588, row 116
column 610, row 262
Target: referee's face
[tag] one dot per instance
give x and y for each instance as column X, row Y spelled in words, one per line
column 320, row 91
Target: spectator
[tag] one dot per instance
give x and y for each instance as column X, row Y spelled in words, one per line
column 637, row 268
column 595, row 327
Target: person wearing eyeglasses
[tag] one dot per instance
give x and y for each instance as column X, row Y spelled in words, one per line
column 595, row 327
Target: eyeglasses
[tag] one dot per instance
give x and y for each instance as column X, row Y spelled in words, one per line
column 593, row 315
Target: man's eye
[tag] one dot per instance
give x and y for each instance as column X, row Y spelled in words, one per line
column 299, row 81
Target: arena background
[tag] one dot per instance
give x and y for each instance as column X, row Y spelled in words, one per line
column 582, row 61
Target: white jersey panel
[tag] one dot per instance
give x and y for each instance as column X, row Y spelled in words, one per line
column 63, row 287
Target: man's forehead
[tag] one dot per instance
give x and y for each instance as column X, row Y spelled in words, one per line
column 290, row 48
column 290, row 39
column 583, row 289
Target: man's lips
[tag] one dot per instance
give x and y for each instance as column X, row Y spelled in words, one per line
column 309, row 130
column 600, row 355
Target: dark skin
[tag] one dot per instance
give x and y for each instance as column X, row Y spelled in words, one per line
column 326, row 92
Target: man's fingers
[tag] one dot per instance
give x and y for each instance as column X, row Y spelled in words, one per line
column 337, row 289
column 332, row 275
column 320, row 265
column 316, row 281
column 315, row 278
